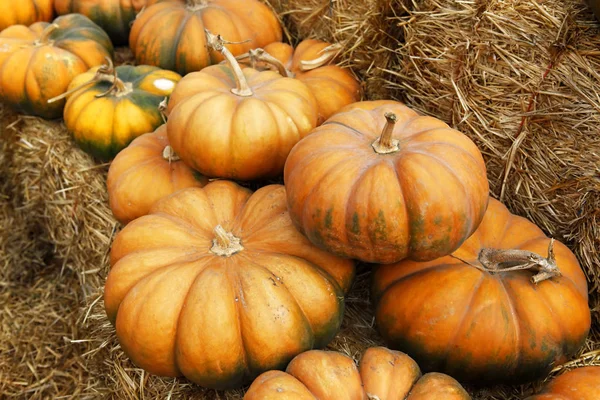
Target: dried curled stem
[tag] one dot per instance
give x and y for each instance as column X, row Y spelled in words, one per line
column 327, row 54
column 217, row 43
column 545, row 268
column 260, row 55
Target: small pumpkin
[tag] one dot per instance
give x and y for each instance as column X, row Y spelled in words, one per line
column 39, row 62
column 217, row 285
column 108, row 107
column 382, row 374
column 170, row 34
column 334, row 87
column 24, row 12
column 144, row 172
column 578, row 384
column 380, row 183
column 114, row 16
column 478, row 314
column 239, row 124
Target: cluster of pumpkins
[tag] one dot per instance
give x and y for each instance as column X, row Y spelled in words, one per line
column 223, row 285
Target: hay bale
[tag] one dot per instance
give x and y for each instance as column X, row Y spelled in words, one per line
column 522, row 79
column 364, row 28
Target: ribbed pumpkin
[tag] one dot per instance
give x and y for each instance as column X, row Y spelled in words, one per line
column 578, row 384
column 382, row 374
column 170, row 34
column 39, row 62
column 217, row 285
column 478, row 314
column 24, row 12
column 380, row 183
column 145, row 172
column 108, row 108
column 334, row 87
column 240, row 124
column 114, row 16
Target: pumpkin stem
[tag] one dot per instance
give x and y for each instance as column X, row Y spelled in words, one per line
column 258, row 55
column 224, row 243
column 118, row 87
column 163, row 109
column 217, row 43
column 45, row 35
column 327, row 54
column 104, row 73
column 384, row 143
column 545, row 268
column 195, row 5
column 169, row 154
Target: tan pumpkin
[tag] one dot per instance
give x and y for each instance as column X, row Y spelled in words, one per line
column 170, row 34
column 334, row 87
column 24, row 12
column 382, row 374
column 238, row 124
column 380, row 183
column 578, row 384
column 217, row 285
column 480, row 314
column 145, row 172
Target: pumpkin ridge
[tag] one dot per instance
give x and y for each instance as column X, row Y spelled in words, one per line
column 324, row 176
column 359, row 134
column 406, row 211
column 459, row 326
column 208, row 235
column 449, row 168
column 148, row 23
column 236, row 285
column 177, row 38
column 76, row 119
column 452, row 145
column 351, row 192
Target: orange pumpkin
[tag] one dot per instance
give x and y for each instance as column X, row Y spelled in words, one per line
column 114, row 16
column 145, row 172
column 39, row 62
column 24, row 12
column 170, row 34
column 478, row 314
column 217, row 285
column 382, row 374
column 380, row 183
column 578, row 384
column 334, row 87
column 229, row 123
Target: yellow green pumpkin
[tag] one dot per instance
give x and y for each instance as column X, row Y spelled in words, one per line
column 116, row 106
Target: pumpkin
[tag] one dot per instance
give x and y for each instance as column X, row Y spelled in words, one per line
column 478, row 314
column 144, row 172
column 108, row 107
column 578, row 384
column 171, row 35
column 382, row 374
column 39, row 62
column 114, row 16
column 334, row 87
column 24, row 12
column 380, row 183
column 216, row 284
column 240, row 124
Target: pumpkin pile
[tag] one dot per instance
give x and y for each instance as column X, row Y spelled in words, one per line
column 224, row 285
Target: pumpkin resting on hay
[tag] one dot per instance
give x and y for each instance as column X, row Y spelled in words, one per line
column 39, row 62
column 217, row 285
column 378, row 182
column 578, row 384
column 382, row 374
column 478, row 314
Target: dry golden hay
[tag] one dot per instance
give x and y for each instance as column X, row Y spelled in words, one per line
column 364, row 29
column 522, row 79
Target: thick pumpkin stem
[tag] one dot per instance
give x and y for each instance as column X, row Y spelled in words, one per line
column 45, row 35
column 224, row 243
column 169, row 154
column 217, row 43
column 327, row 54
column 196, row 4
column 118, row 87
column 385, row 144
column 260, row 55
column 105, row 73
column 497, row 260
